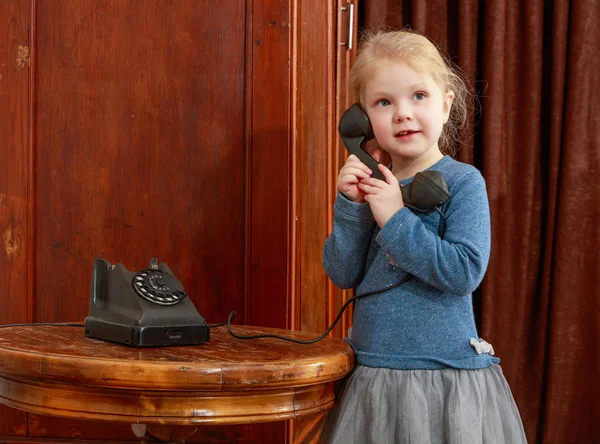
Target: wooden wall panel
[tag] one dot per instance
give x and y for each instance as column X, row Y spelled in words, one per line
column 14, row 156
column 137, row 149
column 315, row 129
column 344, row 58
column 269, row 159
column 15, row 69
column 323, row 58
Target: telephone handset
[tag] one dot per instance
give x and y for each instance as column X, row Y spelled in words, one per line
column 428, row 189
column 355, row 130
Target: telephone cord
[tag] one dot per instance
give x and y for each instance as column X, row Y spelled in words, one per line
column 442, row 232
column 335, row 321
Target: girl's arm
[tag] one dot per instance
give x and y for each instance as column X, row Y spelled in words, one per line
column 457, row 263
column 346, row 248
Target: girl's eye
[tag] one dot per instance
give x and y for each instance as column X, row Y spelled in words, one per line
column 383, row 102
column 419, row 96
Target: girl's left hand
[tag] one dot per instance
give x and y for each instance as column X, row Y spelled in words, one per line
column 384, row 198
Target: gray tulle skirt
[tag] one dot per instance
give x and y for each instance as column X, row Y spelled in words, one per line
column 449, row 406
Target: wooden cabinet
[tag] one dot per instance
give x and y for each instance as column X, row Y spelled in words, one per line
column 201, row 133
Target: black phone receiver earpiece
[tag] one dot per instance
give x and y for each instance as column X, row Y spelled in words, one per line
column 428, row 189
column 355, row 129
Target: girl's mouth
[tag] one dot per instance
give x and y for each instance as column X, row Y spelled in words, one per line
column 406, row 133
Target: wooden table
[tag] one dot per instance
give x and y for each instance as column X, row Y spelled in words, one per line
column 165, row 393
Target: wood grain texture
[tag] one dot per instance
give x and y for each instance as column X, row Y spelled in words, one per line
column 138, row 151
column 269, row 164
column 310, row 428
column 14, row 161
column 344, row 58
column 15, row 75
column 315, row 130
column 153, row 433
column 58, row 371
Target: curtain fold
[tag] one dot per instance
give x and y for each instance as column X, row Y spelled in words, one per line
column 533, row 65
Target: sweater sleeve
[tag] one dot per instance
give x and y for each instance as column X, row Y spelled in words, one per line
column 457, row 263
column 346, row 248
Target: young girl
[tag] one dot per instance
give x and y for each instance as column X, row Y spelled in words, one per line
column 423, row 375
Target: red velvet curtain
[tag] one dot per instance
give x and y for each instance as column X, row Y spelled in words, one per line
column 534, row 65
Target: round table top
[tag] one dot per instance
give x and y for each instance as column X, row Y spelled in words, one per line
column 57, row 370
column 64, row 354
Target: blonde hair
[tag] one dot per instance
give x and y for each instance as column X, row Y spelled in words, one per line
column 423, row 56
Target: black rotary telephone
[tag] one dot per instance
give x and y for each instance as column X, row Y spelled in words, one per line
column 142, row 309
column 427, row 191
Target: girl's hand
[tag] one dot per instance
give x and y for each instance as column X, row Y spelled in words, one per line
column 350, row 175
column 384, row 198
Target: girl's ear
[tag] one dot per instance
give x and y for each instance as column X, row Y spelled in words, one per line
column 448, row 99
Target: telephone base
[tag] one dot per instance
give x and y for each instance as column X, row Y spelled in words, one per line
column 146, row 336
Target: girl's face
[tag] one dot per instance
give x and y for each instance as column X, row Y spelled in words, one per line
column 407, row 110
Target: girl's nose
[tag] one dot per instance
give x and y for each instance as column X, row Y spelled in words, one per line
column 401, row 113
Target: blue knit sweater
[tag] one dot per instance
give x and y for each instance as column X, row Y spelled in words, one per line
column 428, row 322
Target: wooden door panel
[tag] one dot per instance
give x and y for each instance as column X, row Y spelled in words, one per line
column 344, row 59
column 324, row 60
column 139, row 147
column 269, row 161
column 14, row 178
column 315, row 130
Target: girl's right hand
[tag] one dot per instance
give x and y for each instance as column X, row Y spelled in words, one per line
column 350, row 175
